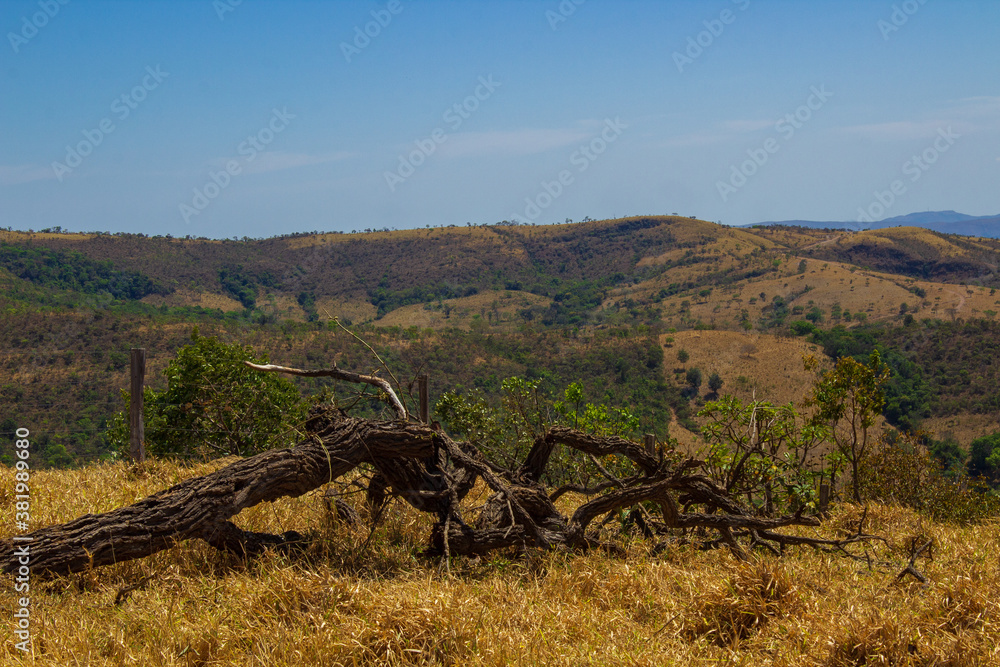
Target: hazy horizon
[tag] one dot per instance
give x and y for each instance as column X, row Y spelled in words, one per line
column 223, row 118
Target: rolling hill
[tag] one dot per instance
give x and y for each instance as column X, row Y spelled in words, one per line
column 593, row 301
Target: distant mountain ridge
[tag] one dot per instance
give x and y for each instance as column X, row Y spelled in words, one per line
column 947, row 222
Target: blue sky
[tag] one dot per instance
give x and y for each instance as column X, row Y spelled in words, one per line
column 125, row 116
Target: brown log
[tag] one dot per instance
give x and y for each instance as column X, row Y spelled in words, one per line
column 201, row 507
column 425, row 468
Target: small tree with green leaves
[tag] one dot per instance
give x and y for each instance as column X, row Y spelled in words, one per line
column 715, row 383
column 505, row 433
column 214, row 405
column 694, row 378
column 984, row 457
column 849, row 399
column 762, row 452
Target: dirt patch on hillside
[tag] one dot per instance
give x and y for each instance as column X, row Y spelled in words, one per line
column 492, row 309
column 750, row 364
column 963, row 427
column 354, row 312
column 186, row 297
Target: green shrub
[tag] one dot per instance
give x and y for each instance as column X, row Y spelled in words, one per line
column 214, row 405
column 802, row 327
column 900, row 470
column 984, row 457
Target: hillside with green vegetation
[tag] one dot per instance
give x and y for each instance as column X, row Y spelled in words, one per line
column 589, row 302
column 908, row 251
column 63, row 372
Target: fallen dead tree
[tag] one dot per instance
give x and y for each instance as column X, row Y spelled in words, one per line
column 430, row 471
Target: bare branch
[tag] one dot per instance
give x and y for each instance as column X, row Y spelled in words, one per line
column 338, row 374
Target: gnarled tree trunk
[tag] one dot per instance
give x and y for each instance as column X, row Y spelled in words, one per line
column 201, row 507
column 421, row 465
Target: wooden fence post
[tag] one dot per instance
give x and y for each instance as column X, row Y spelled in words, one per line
column 425, row 402
column 137, row 431
column 650, row 444
column 824, row 495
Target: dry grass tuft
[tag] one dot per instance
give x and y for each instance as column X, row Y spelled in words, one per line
column 963, row 607
column 874, row 641
column 744, row 603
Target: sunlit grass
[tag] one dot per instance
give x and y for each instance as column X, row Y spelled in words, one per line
column 357, row 597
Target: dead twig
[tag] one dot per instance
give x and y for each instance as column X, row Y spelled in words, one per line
column 123, row 593
column 915, row 552
column 338, row 374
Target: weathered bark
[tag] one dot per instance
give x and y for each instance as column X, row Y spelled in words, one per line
column 201, row 507
column 420, row 465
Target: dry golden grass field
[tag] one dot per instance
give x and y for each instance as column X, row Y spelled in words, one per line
column 360, row 598
column 186, row 297
column 21, row 237
column 963, row 426
column 499, row 306
column 751, row 364
column 878, row 295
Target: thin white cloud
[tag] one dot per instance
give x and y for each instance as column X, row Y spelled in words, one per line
column 24, row 173
column 512, row 142
column 966, row 115
column 725, row 131
column 696, row 139
column 268, row 161
column 741, row 126
column 983, row 105
column 896, row 130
